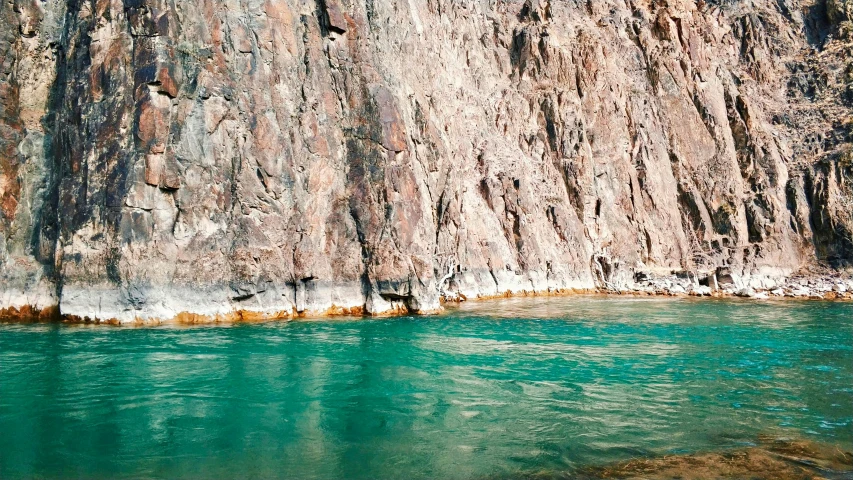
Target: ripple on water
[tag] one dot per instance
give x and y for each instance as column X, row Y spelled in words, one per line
column 526, row 388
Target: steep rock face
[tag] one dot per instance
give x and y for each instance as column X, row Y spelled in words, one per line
column 260, row 158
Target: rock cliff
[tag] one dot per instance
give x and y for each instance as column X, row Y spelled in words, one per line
column 222, row 159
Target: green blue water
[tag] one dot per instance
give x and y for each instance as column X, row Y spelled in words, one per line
column 504, row 388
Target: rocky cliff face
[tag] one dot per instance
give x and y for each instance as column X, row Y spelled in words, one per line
column 247, row 159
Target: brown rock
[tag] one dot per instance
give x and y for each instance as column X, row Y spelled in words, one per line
column 282, row 159
column 335, row 16
column 393, row 129
column 154, row 168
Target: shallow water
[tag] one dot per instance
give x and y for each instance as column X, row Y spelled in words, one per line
column 493, row 389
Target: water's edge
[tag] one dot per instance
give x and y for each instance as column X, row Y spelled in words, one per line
column 52, row 314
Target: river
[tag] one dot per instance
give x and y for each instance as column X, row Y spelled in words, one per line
column 517, row 388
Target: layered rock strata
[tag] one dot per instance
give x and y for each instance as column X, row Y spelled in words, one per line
column 246, row 159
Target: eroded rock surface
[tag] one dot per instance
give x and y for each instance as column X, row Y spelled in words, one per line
column 263, row 158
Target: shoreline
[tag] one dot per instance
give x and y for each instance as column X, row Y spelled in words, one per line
column 799, row 287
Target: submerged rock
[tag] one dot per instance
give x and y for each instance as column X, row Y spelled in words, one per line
column 164, row 160
column 772, row 459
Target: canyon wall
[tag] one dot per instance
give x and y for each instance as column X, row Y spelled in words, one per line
column 242, row 159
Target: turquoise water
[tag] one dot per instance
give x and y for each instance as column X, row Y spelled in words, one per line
column 502, row 388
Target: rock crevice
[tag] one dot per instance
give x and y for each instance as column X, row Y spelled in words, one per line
column 222, row 160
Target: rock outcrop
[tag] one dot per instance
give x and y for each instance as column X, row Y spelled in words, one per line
column 225, row 159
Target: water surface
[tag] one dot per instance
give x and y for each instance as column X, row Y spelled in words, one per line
column 504, row 388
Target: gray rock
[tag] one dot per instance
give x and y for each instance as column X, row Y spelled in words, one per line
column 746, row 292
column 801, row 292
column 165, row 160
column 677, row 290
column 703, row 291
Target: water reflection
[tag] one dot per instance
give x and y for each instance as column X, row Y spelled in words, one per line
column 507, row 388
